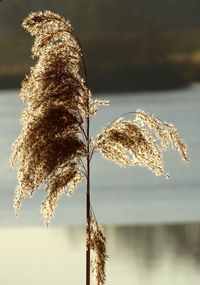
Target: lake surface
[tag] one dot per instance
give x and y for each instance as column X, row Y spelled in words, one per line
column 152, row 225
column 119, row 195
column 138, row 255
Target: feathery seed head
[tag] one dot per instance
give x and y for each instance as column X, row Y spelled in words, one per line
column 165, row 132
column 53, row 140
column 50, row 147
column 140, row 142
column 99, row 252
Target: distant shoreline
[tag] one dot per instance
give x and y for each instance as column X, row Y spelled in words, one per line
column 124, row 80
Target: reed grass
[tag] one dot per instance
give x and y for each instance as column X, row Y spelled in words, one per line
column 54, row 149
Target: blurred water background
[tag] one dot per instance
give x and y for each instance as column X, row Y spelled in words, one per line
column 140, row 55
column 152, row 224
column 119, row 195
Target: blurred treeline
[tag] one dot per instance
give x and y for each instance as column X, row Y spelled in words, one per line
column 129, row 44
column 150, row 242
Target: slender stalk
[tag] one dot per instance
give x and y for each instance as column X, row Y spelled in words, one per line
column 87, row 133
column 88, row 216
column 133, row 112
column 88, row 208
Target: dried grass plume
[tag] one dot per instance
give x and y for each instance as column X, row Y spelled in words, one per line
column 99, row 252
column 55, row 148
column 51, row 145
column 141, row 142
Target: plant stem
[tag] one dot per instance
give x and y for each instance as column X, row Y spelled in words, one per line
column 87, row 133
column 88, row 216
column 88, row 207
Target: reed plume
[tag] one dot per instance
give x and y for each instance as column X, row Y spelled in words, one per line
column 54, row 149
column 141, row 142
column 97, row 245
column 50, row 147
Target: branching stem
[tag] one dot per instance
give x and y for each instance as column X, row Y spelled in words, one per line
column 128, row 113
column 85, row 171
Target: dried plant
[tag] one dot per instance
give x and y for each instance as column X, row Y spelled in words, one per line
column 97, row 244
column 55, row 148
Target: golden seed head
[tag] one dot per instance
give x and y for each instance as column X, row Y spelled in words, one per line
column 140, row 142
column 50, row 146
column 99, row 252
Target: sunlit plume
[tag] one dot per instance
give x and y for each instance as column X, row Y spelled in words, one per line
column 99, row 252
column 51, row 145
column 54, row 149
column 141, row 142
